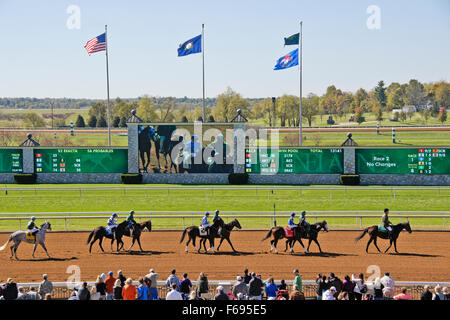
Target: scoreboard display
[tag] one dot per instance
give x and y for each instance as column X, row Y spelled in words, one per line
column 294, row 160
column 403, row 161
column 72, row 160
column 11, row 161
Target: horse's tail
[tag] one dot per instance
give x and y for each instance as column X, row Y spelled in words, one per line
column 183, row 235
column 362, row 234
column 90, row 237
column 6, row 243
column 267, row 235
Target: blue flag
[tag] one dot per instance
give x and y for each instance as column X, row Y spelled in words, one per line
column 193, row 45
column 287, row 61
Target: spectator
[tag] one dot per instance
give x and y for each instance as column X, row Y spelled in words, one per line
column 121, row 277
column 271, row 289
column 343, row 295
column 129, row 291
column 46, row 286
column 240, row 296
column 21, row 294
column 33, row 295
column 109, row 282
column 335, row 282
column 185, row 286
column 202, row 284
column 95, row 295
column 100, row 288
column 322, row 286
column 10, row 291
column 103, row 276
column 378, row 289
column 193, row 296
column 174, row 294
column 117, row 289
column 48, row 296
column 74, row 295
column 426, row 294
column 240, row 287
column 298, row 280
column 83, row 293
column 329, row 294
column 173, row 279
column 296, row 294
column 255, row 288
column 153, row 276
column 246, row 277
column 348, row 286
column 282, row 285
column 438, row 295
column 142, row 291
column 221, row 295
column 389, row 286
column 404, row 295
column 360, row 287
column 446, row 294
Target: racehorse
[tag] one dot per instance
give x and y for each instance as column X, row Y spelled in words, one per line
column 279, row 233
column 311, row 236
column 20, row 236
column 374, row 233
column 137, row 231
column 194, row 232
column 145, row 138
column 100, row 232
column 227, row 228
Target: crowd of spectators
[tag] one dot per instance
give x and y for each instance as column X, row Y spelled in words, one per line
column 248, row 286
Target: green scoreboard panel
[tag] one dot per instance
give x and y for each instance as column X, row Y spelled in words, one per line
column 11, row 161
column 294, row 160
column 403, row 161
column 68, row 160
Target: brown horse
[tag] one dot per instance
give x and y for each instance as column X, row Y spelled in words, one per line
column 194, row 232
column 227, row 228
column 374, row 233
column 137, row 231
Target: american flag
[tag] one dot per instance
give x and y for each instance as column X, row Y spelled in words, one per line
column 96, row 44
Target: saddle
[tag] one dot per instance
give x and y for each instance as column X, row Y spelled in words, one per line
column 290, row 233
column 30, row 236
column 382, row 229
column 203, row 231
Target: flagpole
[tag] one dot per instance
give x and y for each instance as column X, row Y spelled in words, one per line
column 107, row 89
column 203, row 63
column 300, row 72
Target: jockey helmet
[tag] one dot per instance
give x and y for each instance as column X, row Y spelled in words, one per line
column 207, row 214
column 114, row 214
column 216, row 212
column 292, row 214
column 33, row 218
column 132, row 212
column 303, row 212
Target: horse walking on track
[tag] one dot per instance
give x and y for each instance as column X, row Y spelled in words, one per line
column 100, row 232
column 278, row 233
column 194, row 232
column 374, row 233
column 20, row 236
column 227, row 228
column 136, row 236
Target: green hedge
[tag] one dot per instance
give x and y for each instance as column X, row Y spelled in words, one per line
column 350, row 179
column 131, row 178
column 238, row 178
column 25, row 178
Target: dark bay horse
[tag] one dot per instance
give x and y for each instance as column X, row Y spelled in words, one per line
column 194, row 232
column 374, row 233
column 145, row 139
column 227, row 228
column 100, row 232
column 136, row 236
column 278, row 234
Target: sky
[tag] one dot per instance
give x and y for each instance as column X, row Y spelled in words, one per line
column 41, row 56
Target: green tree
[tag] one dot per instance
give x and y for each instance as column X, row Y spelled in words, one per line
column 359, row 118
column 146, row 110
column 442, row 117
column 442, row 94
column 32, row 119
column 116, row 122
column 395, row 99
column 79, row 123
column 92, row 122
column 227, row 105
column 415, row 93
column 403, row 116
column 310, row 107
column 101, row 123
column 425, row 113
column 98, row 110
column 380, row 94
column 123, row 122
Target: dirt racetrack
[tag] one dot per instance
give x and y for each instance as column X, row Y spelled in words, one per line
column 424, row 256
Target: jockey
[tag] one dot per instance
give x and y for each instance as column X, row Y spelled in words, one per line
column 205, row 224
column 303, row 222
column 32, row 226
column 131, row 222
column 386, row 223
column 216, row 217
column 112, row 222
column 291, row 223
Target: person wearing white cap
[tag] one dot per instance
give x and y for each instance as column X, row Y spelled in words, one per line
column 329, row 294
column 221, row 295
column 240, row 288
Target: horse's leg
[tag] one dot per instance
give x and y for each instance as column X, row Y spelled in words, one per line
column 187, row 243
column 92, row 242
column 139, row 243
column 112, row 241
column 395, row 245
column 15, row 250
column 132, row 244
column 309, row 244
column 220, row 243
column 375, row 243
column 45, row 248
column 211, row 244
column 317, row 242
column 368, row 243
column 301, row 243
column 193, row 243
column 100, row 244
column 275, row 245
column 390, row 245
column 271, row 245
column 287, row 242
column 228, row 239
column 34, row 249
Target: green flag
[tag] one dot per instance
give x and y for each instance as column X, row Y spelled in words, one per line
column 291, row 40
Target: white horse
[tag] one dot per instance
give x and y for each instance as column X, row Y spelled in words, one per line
column 20, row 236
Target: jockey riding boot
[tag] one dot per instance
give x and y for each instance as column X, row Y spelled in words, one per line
column 35, row 232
